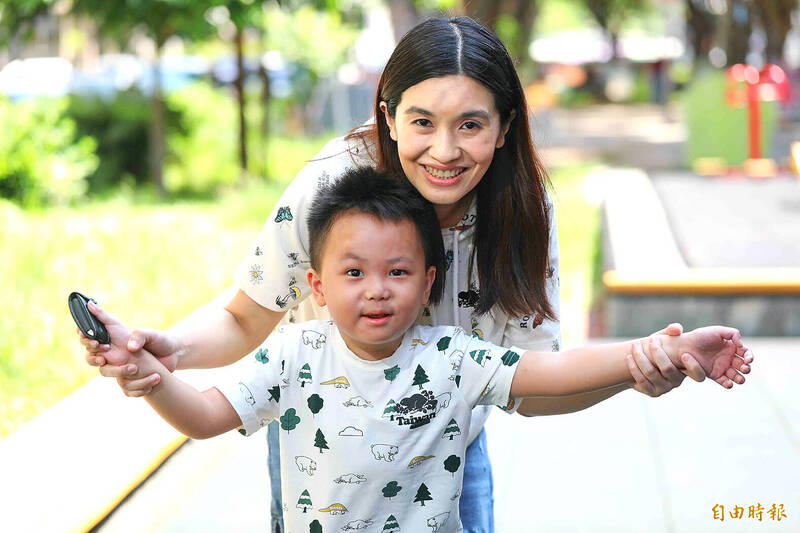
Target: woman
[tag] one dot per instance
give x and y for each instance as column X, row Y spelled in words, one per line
column 450, row 118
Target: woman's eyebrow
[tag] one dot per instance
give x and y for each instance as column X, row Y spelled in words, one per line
column 476, row 113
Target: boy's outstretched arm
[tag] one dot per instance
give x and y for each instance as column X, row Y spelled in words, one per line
column 717, row 349
column 196, row 414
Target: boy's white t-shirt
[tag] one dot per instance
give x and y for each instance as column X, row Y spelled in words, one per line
column 273, row 273
column 377, row 444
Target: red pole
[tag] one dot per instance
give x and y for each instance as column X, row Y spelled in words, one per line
column 755, row 134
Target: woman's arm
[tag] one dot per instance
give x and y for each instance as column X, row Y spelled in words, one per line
column 213, row 336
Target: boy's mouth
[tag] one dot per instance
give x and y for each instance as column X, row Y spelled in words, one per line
column 377, row 318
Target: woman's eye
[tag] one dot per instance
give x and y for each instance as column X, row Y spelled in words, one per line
column 397, row 272
column 471, row 125
column 424, row 122
column 354, row 272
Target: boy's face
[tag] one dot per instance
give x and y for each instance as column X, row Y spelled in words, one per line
column 373, row 279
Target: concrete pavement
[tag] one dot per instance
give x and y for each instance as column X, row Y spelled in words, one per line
column 629, row 464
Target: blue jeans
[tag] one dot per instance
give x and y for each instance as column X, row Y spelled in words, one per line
column 477, row 500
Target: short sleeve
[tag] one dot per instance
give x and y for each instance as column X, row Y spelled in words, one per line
column 484, row 371
column 273, row 273
column 254, row 388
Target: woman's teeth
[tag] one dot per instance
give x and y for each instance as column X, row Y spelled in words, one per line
column 444, row 173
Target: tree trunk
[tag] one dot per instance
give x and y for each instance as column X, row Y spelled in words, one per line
column 240, row 98
column 156, row 159
column 484, row 11
column 404, row 16
column 525, row 13
column 776, row 18
column 266, row 95
column 701, row 27
column 736, row 31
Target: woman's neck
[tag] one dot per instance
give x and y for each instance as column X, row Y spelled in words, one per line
column 450, row 215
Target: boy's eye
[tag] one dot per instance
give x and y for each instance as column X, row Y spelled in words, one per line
column 354, row 272
column 424, row 122
column 397, row 272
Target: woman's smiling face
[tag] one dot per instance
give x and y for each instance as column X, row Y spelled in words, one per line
column 446, row 130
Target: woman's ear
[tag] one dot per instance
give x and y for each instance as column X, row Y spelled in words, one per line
column 501, row 139
column 315, row 282
column 389, row 120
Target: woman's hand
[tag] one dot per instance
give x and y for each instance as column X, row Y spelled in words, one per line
column 655, row 380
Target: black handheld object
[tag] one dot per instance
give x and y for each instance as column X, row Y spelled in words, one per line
column 86, row 321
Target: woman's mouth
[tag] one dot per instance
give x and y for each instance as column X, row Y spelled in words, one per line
column 444, row 174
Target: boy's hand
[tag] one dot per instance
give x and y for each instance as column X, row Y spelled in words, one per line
column 114, row 353
column 718, row 350
column 115, row 359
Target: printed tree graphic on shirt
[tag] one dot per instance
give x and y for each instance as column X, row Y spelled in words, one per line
column 289, row 420
column 261, row 355
column 423, row 494
column 509, row 358
column 420, row 377
column 304, row 502
column 391, row 489
column 452, row 463
column 275, row 393
column 389, row 410
column 443, row 344
column 304, row 376
column 480, row 356
column 315, row 403
column 391, row 373
column 391, row 525
column 452, row 429
column 320, row 442
column 315, row 527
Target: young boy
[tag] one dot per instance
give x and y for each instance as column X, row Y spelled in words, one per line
column 374, row 409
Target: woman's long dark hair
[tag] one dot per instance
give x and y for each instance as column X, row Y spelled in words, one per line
column 512, row 228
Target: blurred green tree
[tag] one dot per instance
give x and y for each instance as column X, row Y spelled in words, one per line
column 160, row 20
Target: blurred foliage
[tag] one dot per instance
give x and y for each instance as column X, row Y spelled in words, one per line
column 107, row 249
column 43, row 159
column 120, row 128
column 715, row 128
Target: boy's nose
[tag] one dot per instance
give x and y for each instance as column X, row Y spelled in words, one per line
column 376, row 290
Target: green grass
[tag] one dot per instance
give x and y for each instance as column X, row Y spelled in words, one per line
column 150, row 264
column 579, row 243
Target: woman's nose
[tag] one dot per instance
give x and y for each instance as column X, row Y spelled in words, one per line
column 444, row 147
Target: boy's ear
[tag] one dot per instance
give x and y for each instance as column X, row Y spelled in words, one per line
column 389, row 120
column 430, row 276
column 315, row 282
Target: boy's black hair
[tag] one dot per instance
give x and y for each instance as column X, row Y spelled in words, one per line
column 366, row 190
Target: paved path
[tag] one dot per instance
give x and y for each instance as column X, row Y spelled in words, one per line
column 630, row 464
column 724, row 222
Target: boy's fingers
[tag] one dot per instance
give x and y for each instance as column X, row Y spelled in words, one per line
column 693, row 368
column 114, row 371
column 101, row 313
column 734, row 376
column 138, row 387
column 725, row 382
column 95, row 360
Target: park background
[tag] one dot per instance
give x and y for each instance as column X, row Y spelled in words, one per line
column 144, row 142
